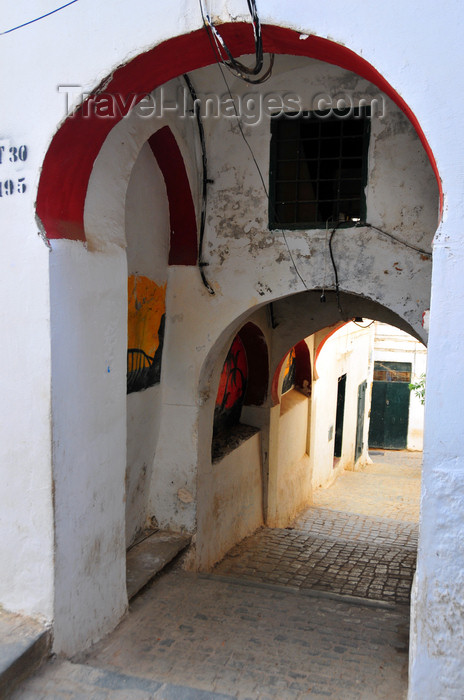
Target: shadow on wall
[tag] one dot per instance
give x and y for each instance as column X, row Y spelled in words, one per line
column 243, row 382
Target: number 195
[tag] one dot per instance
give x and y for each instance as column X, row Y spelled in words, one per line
column 9, row 187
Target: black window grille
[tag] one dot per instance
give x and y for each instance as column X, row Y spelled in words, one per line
column 318, row 168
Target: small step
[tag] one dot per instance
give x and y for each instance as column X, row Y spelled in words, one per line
column 147, row 558
column 24, row 646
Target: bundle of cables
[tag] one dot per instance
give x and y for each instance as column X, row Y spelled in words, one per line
column 239, row 69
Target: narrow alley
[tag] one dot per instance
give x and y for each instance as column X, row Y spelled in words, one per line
column 320, row 609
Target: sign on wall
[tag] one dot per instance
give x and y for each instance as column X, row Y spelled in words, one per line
column 12, row 159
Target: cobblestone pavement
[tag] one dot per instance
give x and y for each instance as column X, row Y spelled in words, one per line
column 325, row 522
column 360, row 562
column 344, row 551
column 206, row 638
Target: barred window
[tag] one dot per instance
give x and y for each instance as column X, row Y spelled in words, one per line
column 318, row 168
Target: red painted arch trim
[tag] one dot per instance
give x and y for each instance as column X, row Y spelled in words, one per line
column 69, row 160
column 303, row 366
column 183, row 238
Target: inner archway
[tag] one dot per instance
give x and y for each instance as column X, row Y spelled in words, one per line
column 329, row 548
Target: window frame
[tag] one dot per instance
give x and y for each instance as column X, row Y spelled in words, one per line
column 363, row 113
column 394, row 372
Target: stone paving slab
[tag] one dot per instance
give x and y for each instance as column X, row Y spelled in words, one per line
column 148, row 557
column 244, row 641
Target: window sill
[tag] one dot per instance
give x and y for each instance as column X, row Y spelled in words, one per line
column 228, row 439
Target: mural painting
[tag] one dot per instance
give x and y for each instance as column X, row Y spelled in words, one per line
column 145, row 332
column 232, row 387
column 289, row 372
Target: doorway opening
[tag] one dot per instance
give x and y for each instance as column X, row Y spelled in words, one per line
column 340, row 417
column 390, row 405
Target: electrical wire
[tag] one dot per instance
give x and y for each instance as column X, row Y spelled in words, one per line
column 375, row 228
column 239, row 69
column 274, row 323
column 360, row 224
column 222, row 51
column 260, row 174
column 239, row 124
column 242, row 71
column 220, row 43
column 359, row 325
column 245, row 140
column 324, row 279
column 204, row 194
column 20, row 26
column 395, row 238
column 337, row 284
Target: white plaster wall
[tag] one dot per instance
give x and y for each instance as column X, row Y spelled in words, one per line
column 401, row 193
column 147, row 234
column 292, row 427
column 26, row 496
column 347, row 351
column 235, row 499
column 126, row 206
column 248, row 461
column 437, row 615
column 147, row 219
column 89, row 318
column 125, row 203
column 143, row 424
column 393, row 345
column 293, row 467
column 26, row 500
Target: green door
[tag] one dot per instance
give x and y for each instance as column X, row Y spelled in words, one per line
column 390, row 406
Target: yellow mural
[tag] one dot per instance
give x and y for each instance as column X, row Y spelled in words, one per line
column 146, row 308
column 289, row 371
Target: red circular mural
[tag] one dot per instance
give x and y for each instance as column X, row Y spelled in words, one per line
column 232, row 386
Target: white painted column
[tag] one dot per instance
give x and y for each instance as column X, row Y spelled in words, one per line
column 88, row 330
column 437, row 616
